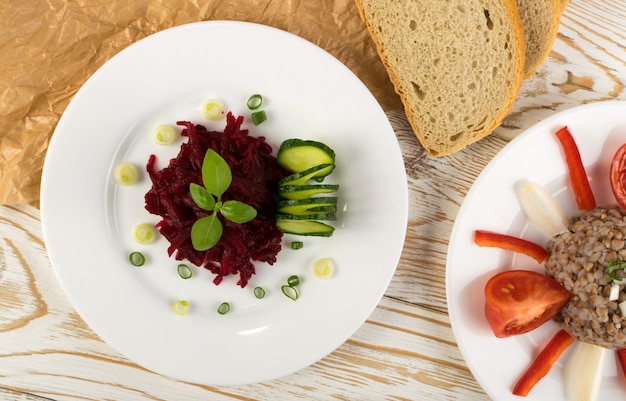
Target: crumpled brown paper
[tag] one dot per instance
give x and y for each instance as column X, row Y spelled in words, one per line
column 49, row 48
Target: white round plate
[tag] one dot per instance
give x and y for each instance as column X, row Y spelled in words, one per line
column 497, row 363
column 87, row 218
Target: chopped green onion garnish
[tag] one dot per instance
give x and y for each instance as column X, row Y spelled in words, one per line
column 144, row 233
column 136, row 259
column 255, row 101
column 290, row 292
column 184, row 271
column 297, row 244
column 125, row 174
column 613, row 267
column 213, row 110
column 164, row 134
column 259, row 292
column 323, row 268
column 258, row 117
column 181, row 307
column 223, row 308
column 293, row 281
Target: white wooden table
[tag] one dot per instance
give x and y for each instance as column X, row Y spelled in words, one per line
column 405, row 350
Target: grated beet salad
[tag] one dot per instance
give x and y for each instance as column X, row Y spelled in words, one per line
column 255, row 175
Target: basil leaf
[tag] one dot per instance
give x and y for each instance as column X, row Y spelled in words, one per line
column 216, row 175
column 206, row 232
column 237, row 212
column 201, row 197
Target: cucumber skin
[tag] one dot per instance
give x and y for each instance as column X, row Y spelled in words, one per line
column 296, row 142
column 297, row 155
column 312, row 201
column 295, row 192
column 308, row 206
column 318, row 173
column 305, row 227
column 312, row 216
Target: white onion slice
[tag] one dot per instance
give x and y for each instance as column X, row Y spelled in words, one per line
column 622, row 307
column 614, row 294
column 583, row 372
column 541, row 208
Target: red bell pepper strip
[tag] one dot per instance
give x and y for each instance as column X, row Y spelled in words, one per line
column 578, row 175
column 543, row 363
column 621, row 357
column 510, row 243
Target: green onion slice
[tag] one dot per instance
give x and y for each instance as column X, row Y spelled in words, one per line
column 181, row 307
column 213, row 110
column 144, row 233
column 290, row 292
column 224, row 308
column 613, row 267
column 293, row 281
column 297, row 245
column 255, row 101
column 125, row 174
column 258, row 117
column 323, row 268
column 164, row 134
column 184, row 271
column 136, row 259
column 259, row 292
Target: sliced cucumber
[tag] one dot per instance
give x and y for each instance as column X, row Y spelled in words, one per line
column 326, row 204
column 318, row 172
column 305, row 191
column 326, row 216
column 300, row 205
column 287, row 224
column 297, row 155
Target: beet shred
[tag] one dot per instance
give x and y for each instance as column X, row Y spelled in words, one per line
column 255, row 175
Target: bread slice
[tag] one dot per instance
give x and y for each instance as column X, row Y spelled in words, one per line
column 456, row 64
column 540, row 19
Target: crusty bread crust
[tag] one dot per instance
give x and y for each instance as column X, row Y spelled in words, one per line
column 540, row 19
column 457, row 65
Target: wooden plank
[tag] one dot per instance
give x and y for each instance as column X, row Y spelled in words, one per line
column 12, row 395
column 437, row 188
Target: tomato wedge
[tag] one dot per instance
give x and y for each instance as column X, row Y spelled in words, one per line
column 617, row 175
column 518, row 301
